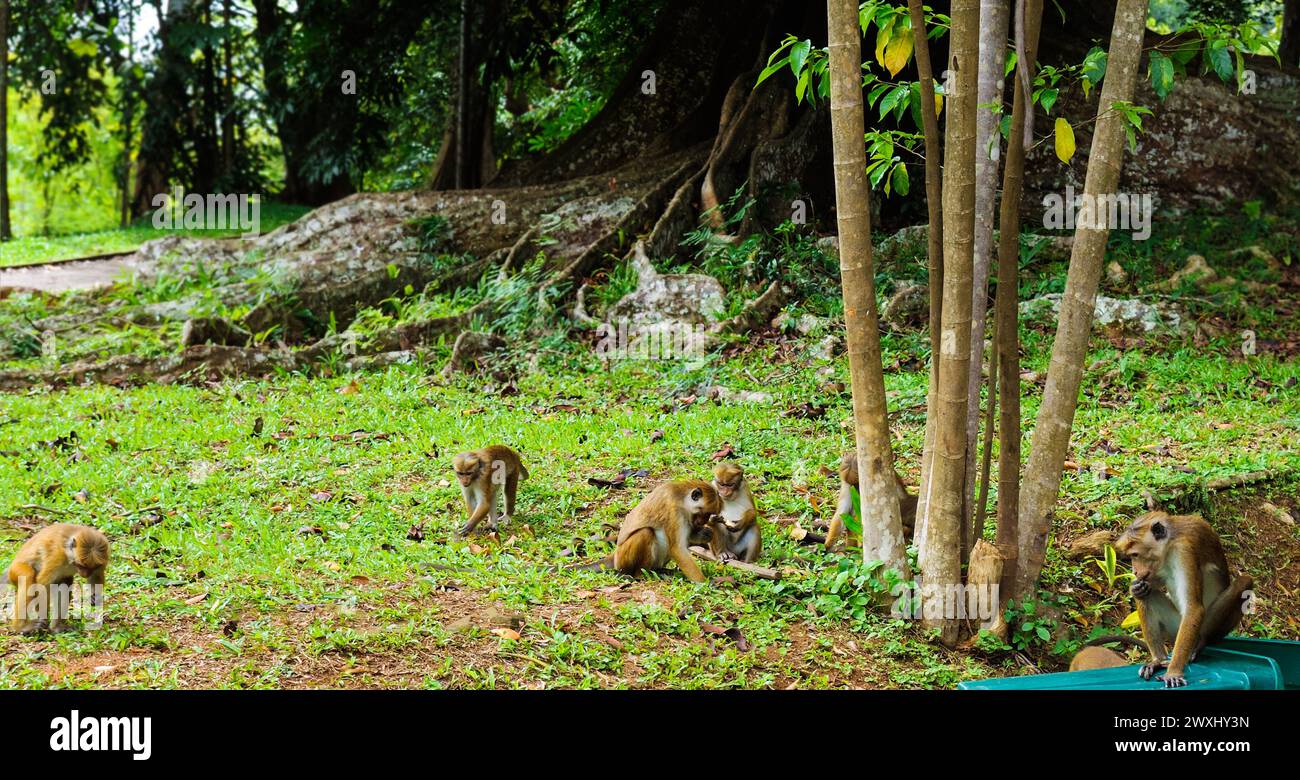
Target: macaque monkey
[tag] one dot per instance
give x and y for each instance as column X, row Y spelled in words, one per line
column 54, row 556
column 1094, row 657
column 661, row 528
column 736, row 535
column 1182, row 589
column 848, row 481
column 481, row 474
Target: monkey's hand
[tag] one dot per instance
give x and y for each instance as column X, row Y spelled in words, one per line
column 1140, row 589
column 1172, row 680
column 1149, row 669
column 464, row 530
column 726, row 556
column 33, row 627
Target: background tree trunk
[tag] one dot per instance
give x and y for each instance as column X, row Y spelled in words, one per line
column 1008, row 324
column 988, row 147
column 5, row 230
column 947, row 477
column 1056, row 415
column 1289, row 52
column 933, row 247
column 882, row 526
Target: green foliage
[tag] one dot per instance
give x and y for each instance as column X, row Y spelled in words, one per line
column 1109, row 566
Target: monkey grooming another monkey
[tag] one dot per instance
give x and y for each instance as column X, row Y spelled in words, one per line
column 736, row 534
column 54, row 556
column 482, row 473
column 661, row 527
column 1092, row 656
column 848, row 481
column 1182, row 589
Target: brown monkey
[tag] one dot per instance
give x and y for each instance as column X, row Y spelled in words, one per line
column 661, row 527
column 481, row 473
column 1182, row 589
column 54, row 556
column 1094, row 657
column 849, row 480
column 736, row 534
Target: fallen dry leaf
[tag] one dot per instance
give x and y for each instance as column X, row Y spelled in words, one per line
column 506, row 633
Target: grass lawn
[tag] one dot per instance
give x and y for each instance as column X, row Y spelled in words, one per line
column 298, row 531
column 27, row 250
column 287, row 558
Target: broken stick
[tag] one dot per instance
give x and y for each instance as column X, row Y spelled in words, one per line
column 761, row 572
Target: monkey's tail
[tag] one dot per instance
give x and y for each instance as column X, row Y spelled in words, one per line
column 1121, row 638
column 604, row 564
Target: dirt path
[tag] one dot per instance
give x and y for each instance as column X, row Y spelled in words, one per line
column 60, row 277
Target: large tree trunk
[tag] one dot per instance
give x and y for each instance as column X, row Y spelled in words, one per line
column 465, row 160
column 933, row 247
column 942, row 564
column 1051, row 440
column 1289, row 51
column 882, row 526
column 5, row 231
column 988, row 145
column 291, row 112
column 1030, row 17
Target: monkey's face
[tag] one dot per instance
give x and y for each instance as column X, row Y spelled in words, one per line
column 467, row 467
column 88, row 554
column 726, row 480
column 1145, row 544
column 703, row 503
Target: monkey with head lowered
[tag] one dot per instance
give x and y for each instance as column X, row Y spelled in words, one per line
column 482, row 474
column 54, row 556
column 1183, row 592
column 1093, row 656
column 661, row 528
column 735, row 533
column 849, row 480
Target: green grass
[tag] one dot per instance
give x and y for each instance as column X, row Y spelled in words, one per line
column 27, row 250
column 299, row 535
column 285, row 558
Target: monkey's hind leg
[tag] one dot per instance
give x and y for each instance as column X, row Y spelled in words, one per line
column 1160, row 619
column 636, row 552
column 60, row 604
column 833, row 532
column 512, row 489
column 1224, row 614
column 21, row 579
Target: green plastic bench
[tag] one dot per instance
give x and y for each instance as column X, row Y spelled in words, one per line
column 1234, row 664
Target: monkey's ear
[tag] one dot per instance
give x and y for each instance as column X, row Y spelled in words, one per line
column 697, row 494
column 1158, row 530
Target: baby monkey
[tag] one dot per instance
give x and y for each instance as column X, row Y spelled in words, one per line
column 849, row 480
column 54, row 556
column 482, row 473
column 1183, row 592
column 662, row 526
column 736, row 534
